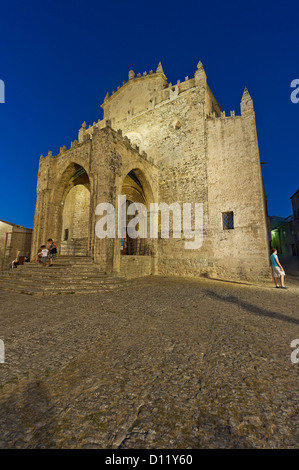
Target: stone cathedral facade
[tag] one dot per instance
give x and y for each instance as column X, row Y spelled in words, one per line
column 160, row 142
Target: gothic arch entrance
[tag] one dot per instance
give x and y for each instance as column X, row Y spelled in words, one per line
column 134, row 192
column 76, row 214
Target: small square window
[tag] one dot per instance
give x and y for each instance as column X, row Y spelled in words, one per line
column 228, row 220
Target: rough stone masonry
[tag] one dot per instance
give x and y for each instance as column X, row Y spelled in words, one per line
column 160, row 142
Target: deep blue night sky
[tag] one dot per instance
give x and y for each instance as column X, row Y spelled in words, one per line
column 58, row 60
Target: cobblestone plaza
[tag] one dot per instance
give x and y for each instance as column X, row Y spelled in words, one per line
column 159, row 363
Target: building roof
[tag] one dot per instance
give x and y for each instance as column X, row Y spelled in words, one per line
column 277, row 221
column 14, row 225
column 297, row 192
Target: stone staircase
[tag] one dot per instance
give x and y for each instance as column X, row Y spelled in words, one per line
column 68, row 275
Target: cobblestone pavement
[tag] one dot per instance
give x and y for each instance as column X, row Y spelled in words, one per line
column 168, row 363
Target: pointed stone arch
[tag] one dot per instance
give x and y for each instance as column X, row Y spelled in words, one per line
column 72, row 200
column 135, row 257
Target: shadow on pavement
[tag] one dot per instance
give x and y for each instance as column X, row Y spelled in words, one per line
column 253, row 309
column 30, row 418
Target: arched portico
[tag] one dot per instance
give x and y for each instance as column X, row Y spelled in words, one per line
column 75, row 183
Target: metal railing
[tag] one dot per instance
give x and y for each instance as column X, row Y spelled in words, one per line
column 137, row 246
column 74, row 247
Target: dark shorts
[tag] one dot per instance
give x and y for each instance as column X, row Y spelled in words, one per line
column 51, row 255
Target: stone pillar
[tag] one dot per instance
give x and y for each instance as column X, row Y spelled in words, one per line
column 103, row 167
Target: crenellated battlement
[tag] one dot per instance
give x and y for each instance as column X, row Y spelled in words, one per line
column 170, row 91
column 246, row 107
column 215, row 116
column 143, row 93
column 134, row 79
column 88, row 136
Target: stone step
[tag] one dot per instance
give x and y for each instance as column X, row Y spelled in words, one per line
column 71, row 259
column 51, row 276
column 56, row 273
column 66, row 285
column 53, row 271
column 64, row 259
column 50, row 285
column 62, row 288
column 56, row 269
column 59, row 263
column 69, row 290
column 68, row 275
column 62, row 281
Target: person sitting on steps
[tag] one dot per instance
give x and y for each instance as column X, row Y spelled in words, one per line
column 37, row 257
column 14, row 263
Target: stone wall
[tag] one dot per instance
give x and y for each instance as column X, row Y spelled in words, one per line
column 75, row 221
column 15, row 241
column 235, row 184
column 3, row 234
column 136, row 266
column 183, row 149
column 205, row 157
